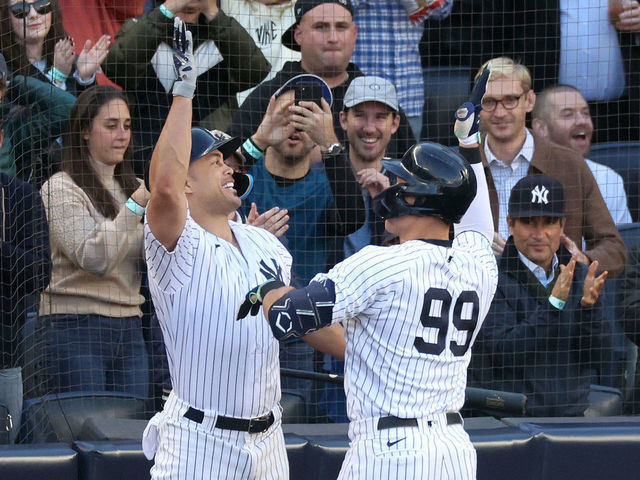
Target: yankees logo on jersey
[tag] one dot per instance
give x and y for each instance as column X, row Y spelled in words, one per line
column 219, row 366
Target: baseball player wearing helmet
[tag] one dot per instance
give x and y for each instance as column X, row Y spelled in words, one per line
column 222, row 418
column 411, row 312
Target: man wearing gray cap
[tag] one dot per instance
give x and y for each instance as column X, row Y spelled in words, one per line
column 546, row 329
column 370, row 118
column 325, row 34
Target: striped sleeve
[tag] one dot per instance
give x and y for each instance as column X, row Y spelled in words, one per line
column 359, row 280
column 478, row 244
column 171, row 270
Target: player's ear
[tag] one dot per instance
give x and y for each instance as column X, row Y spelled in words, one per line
column 510, row 224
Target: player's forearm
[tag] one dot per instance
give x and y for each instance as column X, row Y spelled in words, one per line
column 329, row 340
column 273, row 296
column 170, row 159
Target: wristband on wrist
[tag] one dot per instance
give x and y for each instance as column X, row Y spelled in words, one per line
column 166, row 12
column 252, row 149
column 136, row 208
column 556, row 302
column 57, row 75
column 471, row 140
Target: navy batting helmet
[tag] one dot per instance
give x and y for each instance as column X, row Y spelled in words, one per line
column 441, row 182
column 205, row 141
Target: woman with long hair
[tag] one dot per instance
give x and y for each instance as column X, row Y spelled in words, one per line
column 35, row 44
column 90, row 317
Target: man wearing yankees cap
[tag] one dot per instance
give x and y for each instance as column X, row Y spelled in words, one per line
column 546, row 332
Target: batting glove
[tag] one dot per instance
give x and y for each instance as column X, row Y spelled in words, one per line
column 185, row 84
column 467, row 126
column 253, row 299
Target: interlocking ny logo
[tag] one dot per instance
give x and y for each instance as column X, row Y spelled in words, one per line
column 539, row 195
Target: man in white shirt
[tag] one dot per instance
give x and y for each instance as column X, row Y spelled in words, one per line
column 561, row 114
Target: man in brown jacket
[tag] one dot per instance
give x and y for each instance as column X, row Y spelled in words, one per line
column 511, row 151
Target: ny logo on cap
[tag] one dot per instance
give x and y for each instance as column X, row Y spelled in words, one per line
column 539, row 195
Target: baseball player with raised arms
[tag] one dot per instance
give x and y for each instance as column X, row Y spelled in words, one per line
column 222, row 418
column 411, row 312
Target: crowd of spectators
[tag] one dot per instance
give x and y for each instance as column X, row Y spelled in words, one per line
column 86, row 87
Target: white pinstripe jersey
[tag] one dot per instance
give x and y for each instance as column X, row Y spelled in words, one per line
column 216, row 362
column 409, row 318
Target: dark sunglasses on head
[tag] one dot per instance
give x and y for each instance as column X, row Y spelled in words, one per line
column 21, row 10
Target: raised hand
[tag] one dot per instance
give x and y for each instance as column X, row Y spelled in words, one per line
column 574, row 250
column 592, row 285
column 274, row 220
column 315, row 121
column 467, row 125
column 562, row 286
column 373, row 180
column 63, row 56
column 275, row 127
column 91, row 58
column 183, row 61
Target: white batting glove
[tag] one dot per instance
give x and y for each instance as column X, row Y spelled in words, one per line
column 185, row 84
column 467, row 126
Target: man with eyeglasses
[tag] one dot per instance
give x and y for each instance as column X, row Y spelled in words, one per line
column 511, row 151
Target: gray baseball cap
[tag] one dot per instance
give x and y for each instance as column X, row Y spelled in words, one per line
column 371, row 89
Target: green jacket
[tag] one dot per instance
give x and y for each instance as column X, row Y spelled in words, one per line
column 128, row 64
column 34, row 114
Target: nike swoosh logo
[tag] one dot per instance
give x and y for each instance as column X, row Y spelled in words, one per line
column 391, row 444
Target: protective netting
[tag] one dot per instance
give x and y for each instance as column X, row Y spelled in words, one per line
column 77, row 318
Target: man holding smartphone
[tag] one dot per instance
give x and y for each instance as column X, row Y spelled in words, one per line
column 325, row 34
column 298, row 165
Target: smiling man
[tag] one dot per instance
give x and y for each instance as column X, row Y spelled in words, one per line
column 562, row 115
column 222, row 418
column 511, row 152
column 370, row 118
column 545, row 330
column 325, row 34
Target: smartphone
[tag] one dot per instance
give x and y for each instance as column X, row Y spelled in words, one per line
column 308, row 92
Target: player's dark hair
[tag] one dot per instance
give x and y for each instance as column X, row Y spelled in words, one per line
column 13, row 49
column 76, row 157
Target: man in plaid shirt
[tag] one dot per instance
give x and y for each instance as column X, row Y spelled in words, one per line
column 389, row 32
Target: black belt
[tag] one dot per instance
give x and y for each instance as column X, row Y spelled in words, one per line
column 251, row 425
column 453, row 418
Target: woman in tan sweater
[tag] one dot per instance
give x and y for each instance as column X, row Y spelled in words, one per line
column 90, row 314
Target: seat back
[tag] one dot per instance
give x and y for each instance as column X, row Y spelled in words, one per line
column 624, row 158
column 60, row 417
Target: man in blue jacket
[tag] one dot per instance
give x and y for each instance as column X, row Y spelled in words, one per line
column 545, row 332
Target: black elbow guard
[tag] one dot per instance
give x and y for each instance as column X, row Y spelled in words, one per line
column 303, row 311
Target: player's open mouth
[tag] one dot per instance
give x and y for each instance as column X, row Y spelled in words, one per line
column 228, row 185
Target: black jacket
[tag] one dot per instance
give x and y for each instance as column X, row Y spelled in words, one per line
column 528, row 346
column 247, row 119
column 25, row 256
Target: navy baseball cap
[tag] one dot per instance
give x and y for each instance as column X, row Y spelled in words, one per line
column 302, row 7
column 307, row 78
column 205, row 141
column 537, row 196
